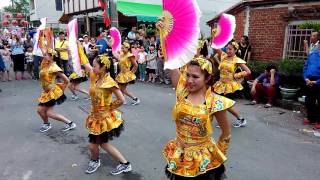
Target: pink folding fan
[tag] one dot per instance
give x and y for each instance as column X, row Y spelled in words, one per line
column 225, row 30
column 180, row 32
column 116, row 39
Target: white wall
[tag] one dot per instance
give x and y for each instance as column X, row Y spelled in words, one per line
column 45, row 8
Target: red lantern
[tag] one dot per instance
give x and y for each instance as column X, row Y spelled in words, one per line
column 24, row 23
column 5, row 22
column 14, row 23
column 19, row 15
column 7, row 15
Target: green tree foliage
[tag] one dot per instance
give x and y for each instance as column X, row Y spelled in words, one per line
column 18, row 6
column 310, row 25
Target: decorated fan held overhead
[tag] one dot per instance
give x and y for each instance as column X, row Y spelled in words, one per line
column 115, row 39
column 179, row 32
column 73, row 46
column 224, row 31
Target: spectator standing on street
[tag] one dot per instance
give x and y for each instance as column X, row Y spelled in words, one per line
column 6, row 57
column 93, row 51
column 311, row 74
column 61, row 46
column 132, row 35
column 29, row 61
column 244, row 51
column 102, row 43
column 152, row 64
column 28, row 43
column 86, row 43
column 142, row 59
column 266, row 84
column 17, row 56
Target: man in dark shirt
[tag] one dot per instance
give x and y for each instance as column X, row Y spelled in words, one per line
column 266, row 84
column 311, row 74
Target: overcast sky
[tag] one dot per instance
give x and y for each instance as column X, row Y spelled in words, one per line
column 4, row 3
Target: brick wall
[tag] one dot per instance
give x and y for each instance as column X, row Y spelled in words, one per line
column 267, row 33
column 240, row 22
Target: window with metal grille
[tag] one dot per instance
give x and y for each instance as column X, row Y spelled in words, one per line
column 295, row 42
column 59, row 5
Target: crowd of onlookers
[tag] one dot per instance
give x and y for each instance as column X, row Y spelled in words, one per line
column 18, row 55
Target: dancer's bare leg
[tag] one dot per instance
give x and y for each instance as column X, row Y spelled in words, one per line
column 77, row 88
column 94, row 150
column 42, row 111
column 235, row 113
column 124, row 90
column 56, row 116
column 114, row 152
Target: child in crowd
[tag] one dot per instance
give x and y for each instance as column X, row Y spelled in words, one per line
column 29, row 61
column 152, row 64
column 5, row 53
column 142, row 58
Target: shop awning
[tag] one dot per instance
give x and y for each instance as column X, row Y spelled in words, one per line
column 143, row 12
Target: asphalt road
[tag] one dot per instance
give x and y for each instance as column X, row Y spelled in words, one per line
column 273, row 146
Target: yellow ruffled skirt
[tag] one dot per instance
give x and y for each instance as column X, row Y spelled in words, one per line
column 54, row 94
column 125, row 77
column 194, row 160
column 98, row 123
column 224, row 88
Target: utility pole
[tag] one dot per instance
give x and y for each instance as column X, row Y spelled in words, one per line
column 113, row 13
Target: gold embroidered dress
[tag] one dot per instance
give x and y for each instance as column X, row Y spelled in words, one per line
column 194, row 152
column 52, row 91
column 227, row 82
column 125, row 75
column 102, row 117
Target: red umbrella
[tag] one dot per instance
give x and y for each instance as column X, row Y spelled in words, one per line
column 7, row 15
column 24, row 23
column 14, row 23
column 19, row 15
column 5, row 22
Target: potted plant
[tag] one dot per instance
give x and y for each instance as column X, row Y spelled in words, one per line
column 290, row 71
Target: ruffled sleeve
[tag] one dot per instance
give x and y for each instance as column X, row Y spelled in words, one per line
column 129, row 55
column 216, row 103
column 108, row 82
column 54, row 68
column 240, row 61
